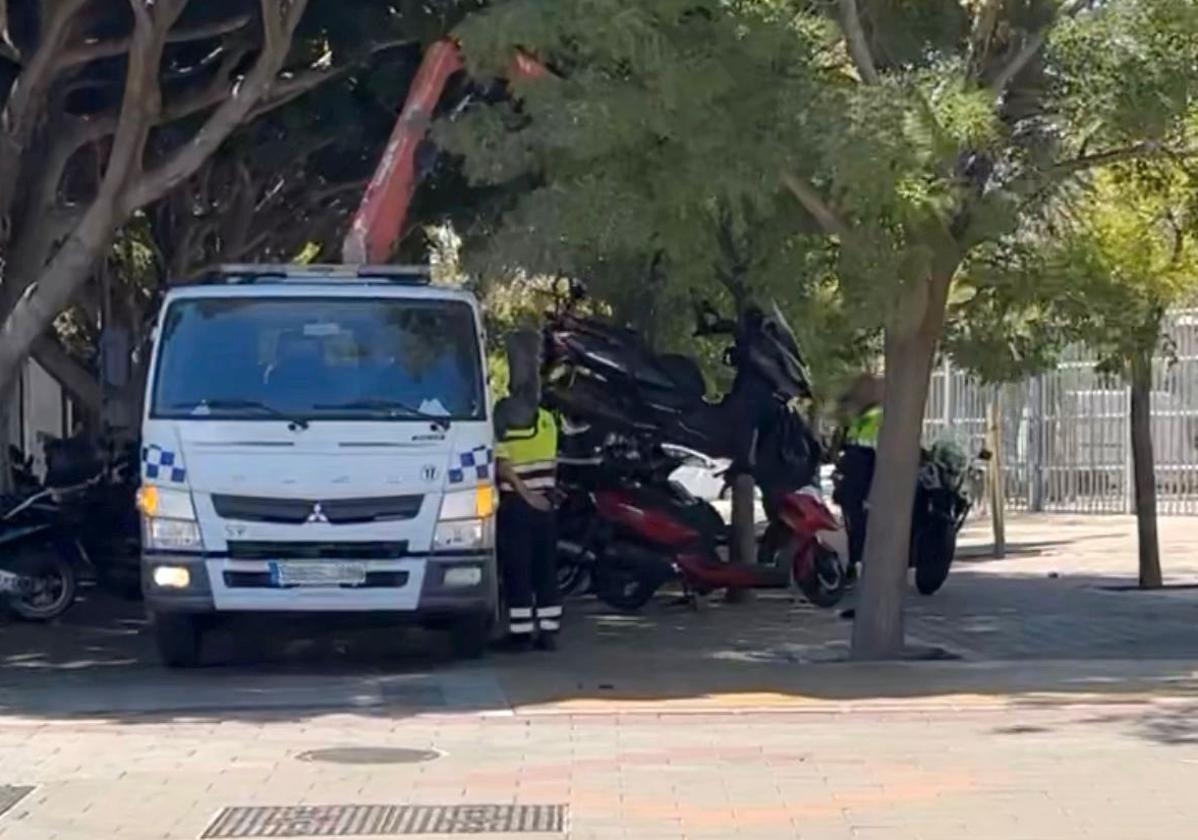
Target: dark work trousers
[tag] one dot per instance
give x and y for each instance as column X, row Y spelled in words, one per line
column 856, row 466
column 527, row 543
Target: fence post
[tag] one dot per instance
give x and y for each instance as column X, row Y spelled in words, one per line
column 948, row 395
column 997, row 494
column 1129, row 463
column 1035, row 445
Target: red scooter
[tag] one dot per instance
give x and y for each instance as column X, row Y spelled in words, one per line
column 643, row 530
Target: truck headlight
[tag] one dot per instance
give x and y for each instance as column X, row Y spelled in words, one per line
column 172, row 535
column 169, row 518
column 476, row 503
column 154, row 501
column 463, row 535
column 466, row 521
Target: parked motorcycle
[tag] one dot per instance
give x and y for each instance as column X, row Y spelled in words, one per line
column 942, row 504
column 105, row 515
column 606, row 374
column 632, row 530
column 39, row 559
column 621, row 566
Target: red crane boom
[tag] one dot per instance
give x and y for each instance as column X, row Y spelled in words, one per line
column 379, row 224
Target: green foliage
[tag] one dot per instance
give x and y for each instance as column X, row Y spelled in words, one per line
column 665, row 134
column 1121, row 258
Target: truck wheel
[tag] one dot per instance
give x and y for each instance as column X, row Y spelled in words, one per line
column 468, row 636
column 179, row 639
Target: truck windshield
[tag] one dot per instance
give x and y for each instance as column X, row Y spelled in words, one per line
column 307, row 359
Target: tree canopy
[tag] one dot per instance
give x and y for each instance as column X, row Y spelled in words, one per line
column 889, row 151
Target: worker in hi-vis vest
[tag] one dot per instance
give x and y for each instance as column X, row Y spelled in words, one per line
column 526, row 469
column 860, row 409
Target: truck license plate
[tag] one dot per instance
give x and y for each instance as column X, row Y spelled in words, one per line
column 318, row 574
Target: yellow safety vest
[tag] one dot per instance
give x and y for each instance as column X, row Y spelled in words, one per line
column 532, row 452
column 864, row 430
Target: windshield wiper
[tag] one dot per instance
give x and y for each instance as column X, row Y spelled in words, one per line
column 237, row 404
column 391, row 406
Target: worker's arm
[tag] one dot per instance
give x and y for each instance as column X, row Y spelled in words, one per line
column 535, row 500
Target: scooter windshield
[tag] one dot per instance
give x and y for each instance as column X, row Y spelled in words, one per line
column 777, row 329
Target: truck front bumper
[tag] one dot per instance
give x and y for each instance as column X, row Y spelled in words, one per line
column 442, row 591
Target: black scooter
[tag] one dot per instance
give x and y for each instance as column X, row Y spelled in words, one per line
column 605, row 374
column 40, row 560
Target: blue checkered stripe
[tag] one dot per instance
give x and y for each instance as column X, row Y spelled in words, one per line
column 478, row 460
column 162, row 463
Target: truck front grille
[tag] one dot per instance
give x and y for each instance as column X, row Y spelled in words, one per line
column 262, row 580
column 299, row 511
column 318, row 550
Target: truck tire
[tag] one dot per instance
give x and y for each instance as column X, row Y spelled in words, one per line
column 179, row 639
column 469, row 636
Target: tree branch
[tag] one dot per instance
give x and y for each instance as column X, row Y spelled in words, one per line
column 854, row 36
column 1031, row 47
column 289, row 89
column 7, row 48
column 71, row 265
column 279, row 20
column 1136, row 151
column 824, row 215
column 26, row 101
column 79, row 382
column 94, row 50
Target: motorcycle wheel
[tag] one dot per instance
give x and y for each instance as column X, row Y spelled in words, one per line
column 59, row 583
column 934, row 550
column 823, row 581
column 571, row 579
column 623, row 589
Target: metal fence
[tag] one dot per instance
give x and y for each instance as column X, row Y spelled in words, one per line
column 1066, row 436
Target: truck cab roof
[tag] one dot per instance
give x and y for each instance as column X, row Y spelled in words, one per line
column 412, row 282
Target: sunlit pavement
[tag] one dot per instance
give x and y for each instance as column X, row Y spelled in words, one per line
column 1069, row 710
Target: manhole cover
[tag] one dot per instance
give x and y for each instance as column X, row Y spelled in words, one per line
column 10, row 796
column 386, row 820
column 369, row 755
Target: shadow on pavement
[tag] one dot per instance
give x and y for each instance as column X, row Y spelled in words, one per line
column 1023, row 638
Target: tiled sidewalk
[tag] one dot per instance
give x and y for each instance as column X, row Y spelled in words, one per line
column 1083, row 772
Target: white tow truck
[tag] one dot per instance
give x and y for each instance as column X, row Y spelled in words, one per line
column 317, row 439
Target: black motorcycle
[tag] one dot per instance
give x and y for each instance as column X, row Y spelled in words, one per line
column 104, row 515
column 942, row 505
column 40, row 559
column 605, row 374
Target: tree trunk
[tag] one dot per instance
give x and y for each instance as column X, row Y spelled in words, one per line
column 1145, row 471
column 743, row 546
column 911, row 341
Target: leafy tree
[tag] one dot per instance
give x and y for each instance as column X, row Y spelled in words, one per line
column 109, row 107
column 1123, row 254
column 906, row 141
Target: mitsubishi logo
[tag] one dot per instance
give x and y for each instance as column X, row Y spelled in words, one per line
column 317, row 515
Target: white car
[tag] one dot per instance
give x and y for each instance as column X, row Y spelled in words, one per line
column 701, row 475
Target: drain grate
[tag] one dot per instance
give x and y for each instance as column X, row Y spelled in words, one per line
column 369, row 755
column 386, row 820
column 10, row 796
